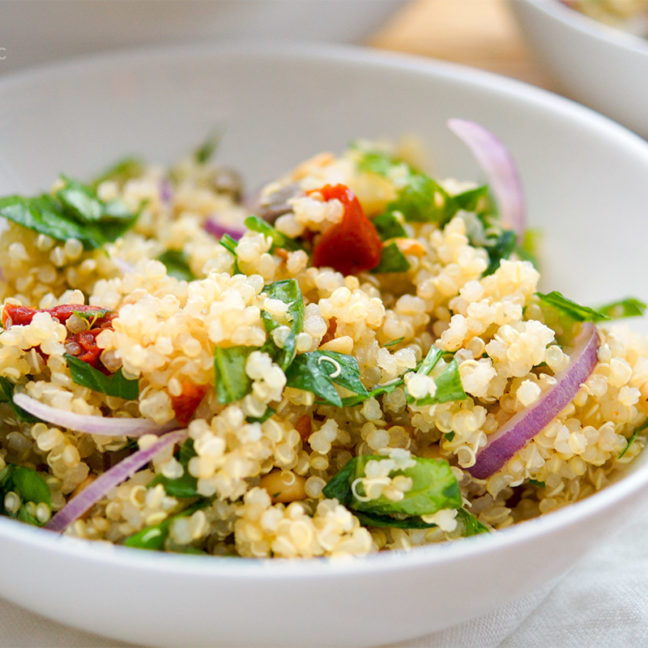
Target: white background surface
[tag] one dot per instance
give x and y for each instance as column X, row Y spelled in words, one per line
column 602, row 602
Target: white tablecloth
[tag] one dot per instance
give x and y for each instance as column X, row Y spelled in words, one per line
column 601, row 603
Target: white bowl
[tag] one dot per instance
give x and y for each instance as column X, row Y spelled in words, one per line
column 42, row 31
column 586, row 185
column 603, row 67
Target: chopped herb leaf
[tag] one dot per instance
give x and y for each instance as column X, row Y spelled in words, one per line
column 80, row 201
column 6, row 396
column 471, row 525
column 380, row 162
column 567, row 307
column 501, row 248
column 319, row 371
column 287, row 291
column 629, row 307
column 375, row 520
column 120, row 172
column 228, row 243
column 528, row 250
column 232, row 383
column 278, row 239
column 29, row 486
column 535, row 482
column 91, row 315
column 176, row 265
column 633, row 438
column 388, row 226
column 448, row 386
column 207, row 149
column 86, row 375
column 392, row 260
column 260, row 419
column 186, row 485
column 422, row 200
column 378, row 390
column 471, row 199
column 449, row 435
column 154, row 537
column 393, row 342
column 75, row 212
column 430, row 361
column 434, row 487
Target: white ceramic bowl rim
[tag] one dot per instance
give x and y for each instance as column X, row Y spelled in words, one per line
column 583, row 23
column 211, row 567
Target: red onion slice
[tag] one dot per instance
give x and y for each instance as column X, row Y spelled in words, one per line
column 102, row 425
column 166, row 191
column 499, row 166
column 522, row 427
column 120, row 472
column 218, row 229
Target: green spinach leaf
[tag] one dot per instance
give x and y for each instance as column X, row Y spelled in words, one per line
column 154, row 537
column 176, row 264
column 500, row 248
column 434, row 487
column 207, row 149
column 319, row 371
column 187, row 484
column 448, row 386
column 472, row 200
column 278, row 239
column 388, row 226
column 6, row 396
column 471, row 525
column 392, row 260
column 575, row 311
column 75, row 212
column 120, row 172
column 629, row 307
column 232, row 383
column 29, row 485
column 287, row 291
column 86, row 375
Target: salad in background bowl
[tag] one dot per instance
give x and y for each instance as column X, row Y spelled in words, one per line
column 602, row 66
column 630, row 16
column 170, row 97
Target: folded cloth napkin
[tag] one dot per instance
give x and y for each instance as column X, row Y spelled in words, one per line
column 602, row 602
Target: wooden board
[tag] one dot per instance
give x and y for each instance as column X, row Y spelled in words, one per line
column 480, row 33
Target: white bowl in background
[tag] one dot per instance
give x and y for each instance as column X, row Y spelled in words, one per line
column 585, row 180
column 601, row 66
column 41, row 31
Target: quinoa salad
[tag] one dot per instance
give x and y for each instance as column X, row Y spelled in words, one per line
column 629, row 15
column 356, row 358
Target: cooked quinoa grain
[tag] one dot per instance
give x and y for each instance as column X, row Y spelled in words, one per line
column 320, row 408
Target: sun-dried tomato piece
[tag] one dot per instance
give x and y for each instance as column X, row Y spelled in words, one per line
column 186, row 404
column 304, row 426
column 353, row 244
